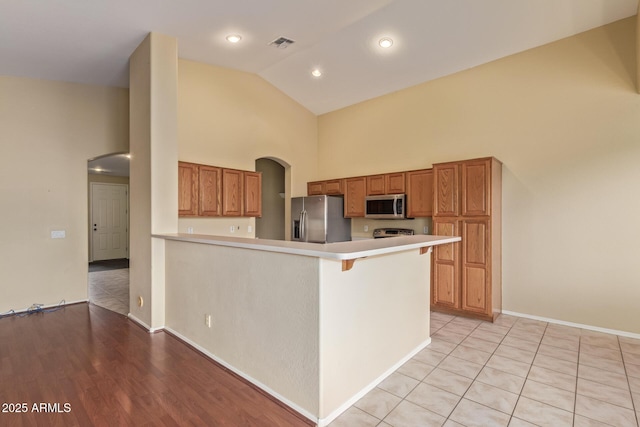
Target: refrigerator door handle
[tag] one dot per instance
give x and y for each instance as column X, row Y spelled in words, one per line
column 303, row 215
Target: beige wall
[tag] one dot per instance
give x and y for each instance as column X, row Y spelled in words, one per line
column 49, row 130
column 313, row 335
column 231, row 118
column 565, row 120
column 264, row 314
column 153, row 79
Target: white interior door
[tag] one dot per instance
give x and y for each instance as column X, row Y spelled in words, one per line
column 109, row 221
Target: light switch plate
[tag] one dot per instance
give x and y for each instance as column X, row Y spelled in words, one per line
column 58, row 234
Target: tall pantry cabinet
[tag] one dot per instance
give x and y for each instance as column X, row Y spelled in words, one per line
column 467, row 275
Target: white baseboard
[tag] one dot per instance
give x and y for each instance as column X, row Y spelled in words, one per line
column 44, row 307
column 144, row 325
column 252, row 380
column 574, row 325
column 349, row 403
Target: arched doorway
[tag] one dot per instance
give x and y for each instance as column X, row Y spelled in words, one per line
column 272, row 223
column 108, row 221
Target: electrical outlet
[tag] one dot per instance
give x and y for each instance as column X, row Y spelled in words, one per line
column 207, row 320
column 426, row 229
column 58, row 234
column 249, row 229
column 366, row 228
column 190, row 230
column 232, row 229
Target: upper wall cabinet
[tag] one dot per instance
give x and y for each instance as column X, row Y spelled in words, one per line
column 232, row 186
column 463, row 188
column 417, row 185
column 330, row 187
column 187, row 189
column 420, row 193
column 355, row 191
column 209, row 191
column 476, row 187
column 316, row 188
column 252, row 194
column 395, row 183
column 390, row 183
column 446, row 196
column 375, row 185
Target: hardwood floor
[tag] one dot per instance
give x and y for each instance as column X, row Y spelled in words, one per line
column 110, row 371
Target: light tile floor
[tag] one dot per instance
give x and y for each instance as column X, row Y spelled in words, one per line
column 110, row 289
column 514, row 372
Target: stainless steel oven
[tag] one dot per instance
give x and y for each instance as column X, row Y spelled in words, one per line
column 380, row 233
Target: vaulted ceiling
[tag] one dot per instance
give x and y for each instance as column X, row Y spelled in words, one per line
column 90, row 41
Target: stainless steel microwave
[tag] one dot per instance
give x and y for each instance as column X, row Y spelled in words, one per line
column 390, row 206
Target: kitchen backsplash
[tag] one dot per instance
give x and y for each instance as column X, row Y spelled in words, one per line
column 418, row 225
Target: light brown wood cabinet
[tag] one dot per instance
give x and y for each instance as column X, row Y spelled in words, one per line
column 420, row 193
column 476, row 268
column 390, row 183
column 332, row 187
column 316, row 188
column 187, row 189
column 210, row 191
column 445, row 197
column 376, row 185
column 252, row 194
column 395, row 183
column 355, row 190
column 417, row 185
column 232, row 185
column 445, row 292
column 210, row 184
column 476, row 188
column 467, row 275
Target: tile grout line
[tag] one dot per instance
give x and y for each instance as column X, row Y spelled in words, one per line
column 448, row 417
column 402, row 399
column 459, row 343
column 475, row 378
column 528, row 372
column 575, row 396
column 626, row 373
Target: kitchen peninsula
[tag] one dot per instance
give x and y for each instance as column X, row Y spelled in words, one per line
column 315, row 325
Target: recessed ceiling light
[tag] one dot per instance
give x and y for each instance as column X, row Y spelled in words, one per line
column 316, row 73
column 385, row 42
column 233, row 38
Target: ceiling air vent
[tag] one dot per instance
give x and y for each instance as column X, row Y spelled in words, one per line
column 282, row 42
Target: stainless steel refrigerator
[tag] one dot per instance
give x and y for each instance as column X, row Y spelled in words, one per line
column 319, row 219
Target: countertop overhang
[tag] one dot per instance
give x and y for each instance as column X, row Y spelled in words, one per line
column 339, row 251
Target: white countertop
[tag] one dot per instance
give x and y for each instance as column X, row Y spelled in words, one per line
column 337, row 251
